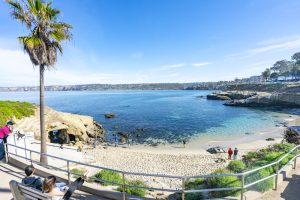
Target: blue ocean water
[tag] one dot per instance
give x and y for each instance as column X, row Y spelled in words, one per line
column 163, row 115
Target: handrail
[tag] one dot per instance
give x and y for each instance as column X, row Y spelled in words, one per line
column 183, row 191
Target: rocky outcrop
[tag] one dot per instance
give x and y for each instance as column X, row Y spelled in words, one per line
column 83, row 128
column 263, row 99
column 230, row 95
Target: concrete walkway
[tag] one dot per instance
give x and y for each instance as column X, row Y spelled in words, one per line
column 8, row 173
column 289, row 189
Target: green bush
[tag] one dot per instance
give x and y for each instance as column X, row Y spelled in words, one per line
column 223, row 182
column 267, row 184
column 192, row 196
column 78, row 172
column 236, row 166
column 195, row 184
column 14, row 109
column 135, row 191
column 264, row 185
column 110, row 176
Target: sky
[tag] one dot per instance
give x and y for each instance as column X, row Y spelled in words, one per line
column 158, row 41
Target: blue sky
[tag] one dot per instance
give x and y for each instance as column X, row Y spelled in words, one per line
column 146, row 41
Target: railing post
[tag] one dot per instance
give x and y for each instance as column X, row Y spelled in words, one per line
column 276, row 177
column 25, row 148
column 183, row 188
column 123, row 186
column 30, row 154
column 295, row 163
column 68, row 168
column 242, row 186
column 6, row 151
column 15, row 144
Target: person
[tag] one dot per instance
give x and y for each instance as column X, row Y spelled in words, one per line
column 184, row 143
column 235, row 153
column 50, row 188
column 230, row 152
column 60, row 191
column 30, row 180
column 4, row 132
column 116, row 140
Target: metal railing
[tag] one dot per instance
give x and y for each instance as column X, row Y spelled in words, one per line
column 184, row 179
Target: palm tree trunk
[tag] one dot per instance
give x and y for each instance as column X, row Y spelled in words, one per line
column 43, row 158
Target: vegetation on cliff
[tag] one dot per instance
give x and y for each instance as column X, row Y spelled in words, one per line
column 10, row 110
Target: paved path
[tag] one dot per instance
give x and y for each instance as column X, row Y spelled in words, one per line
column 289, row 189
column 8, row 173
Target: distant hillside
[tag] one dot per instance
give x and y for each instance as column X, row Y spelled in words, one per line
column 222, row 85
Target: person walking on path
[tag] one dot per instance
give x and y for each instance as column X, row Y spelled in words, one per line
column 235, row 153
column 4, row 132
column 230, row 152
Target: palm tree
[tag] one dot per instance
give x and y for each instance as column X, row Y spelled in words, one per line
column 42, row 44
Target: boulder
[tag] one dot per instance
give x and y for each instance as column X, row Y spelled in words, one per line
column 110, row 115
column 79, row 126
column 215, row 150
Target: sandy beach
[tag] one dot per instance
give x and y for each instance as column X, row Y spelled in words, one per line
column 175, row 160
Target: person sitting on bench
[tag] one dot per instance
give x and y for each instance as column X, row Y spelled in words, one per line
column 60, row 192
column 30, row 180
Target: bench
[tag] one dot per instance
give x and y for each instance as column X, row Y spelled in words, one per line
column 22, row 192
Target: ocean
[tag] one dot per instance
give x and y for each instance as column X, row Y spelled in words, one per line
column 163, row 116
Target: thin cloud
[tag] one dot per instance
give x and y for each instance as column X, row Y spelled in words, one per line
column 292, row 44
column 201, row 64
column 170, row 67
column 271, row 46
column 173, row 66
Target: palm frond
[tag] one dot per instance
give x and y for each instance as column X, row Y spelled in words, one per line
column 19, row 13
column 58, row 46
column 30, row 41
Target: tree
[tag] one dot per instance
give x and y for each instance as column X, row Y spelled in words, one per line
column 274, row 76
column 266, row 74
column 296, row 71
column 42, row 44
column 283, row 67
column 296, row 57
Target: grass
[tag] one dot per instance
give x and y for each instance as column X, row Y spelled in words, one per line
column 109, row 176
column 78, row 172
column 115, row 177
column 10, row 110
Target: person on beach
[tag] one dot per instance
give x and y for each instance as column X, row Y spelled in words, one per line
column 230, row 152
column 30, row 180
column 4, row 132
column 116, row 140
column 235, row 153
column 184, row 143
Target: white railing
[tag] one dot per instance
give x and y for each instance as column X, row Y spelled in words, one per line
column 183, row 179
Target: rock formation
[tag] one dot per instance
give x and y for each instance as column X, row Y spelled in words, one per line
column 80, row 127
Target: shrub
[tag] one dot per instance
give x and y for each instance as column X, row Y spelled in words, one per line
column 264, row 185
column 267, row 184
column 14, row 109
column 223, row 182
column 78, row 172
column 194, row 184
column 110, row 176
column 236, row 166
column 134, row 191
